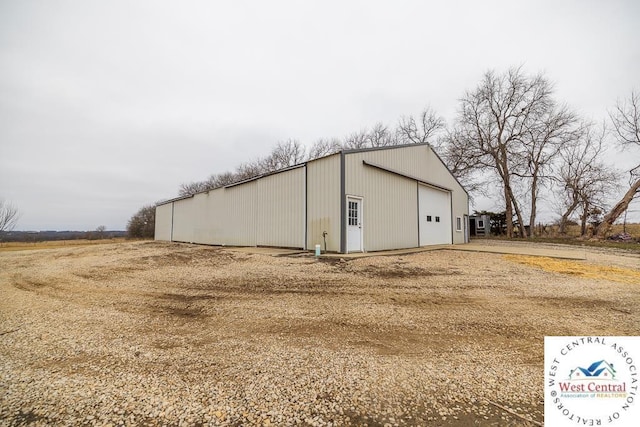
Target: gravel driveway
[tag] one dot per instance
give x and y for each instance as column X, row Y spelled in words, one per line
column 149, row 333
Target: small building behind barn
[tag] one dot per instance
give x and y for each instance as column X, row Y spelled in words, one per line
column 355, row 200
column 480, row 225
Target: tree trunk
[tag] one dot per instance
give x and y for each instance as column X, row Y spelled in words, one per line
column 503, row 170
column 565, row 217
column 617, row 210
column 583, row 219
column 523, row 230
column 516, row 208
column 508, row 212
column 534, row 200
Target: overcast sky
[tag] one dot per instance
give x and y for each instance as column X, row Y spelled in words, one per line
column 106, row 106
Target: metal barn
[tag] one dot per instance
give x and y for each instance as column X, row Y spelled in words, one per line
column 356, row 200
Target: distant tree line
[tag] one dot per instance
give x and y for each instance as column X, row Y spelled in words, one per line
column 511, row 139
column 47, row 236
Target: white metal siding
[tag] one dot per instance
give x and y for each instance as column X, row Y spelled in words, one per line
column 421, row 162
column 199, row 219
column 240, row 215
column 183, row 220
column 280, row 209
column 163, row 222
column 390, row 205
column 323, row 202
column 268, row 211
column 217, row 226
column 459, row 198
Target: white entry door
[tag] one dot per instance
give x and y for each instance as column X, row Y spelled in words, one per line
column 354, row 224
column 434, row 209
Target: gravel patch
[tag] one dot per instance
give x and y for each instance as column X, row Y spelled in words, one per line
column 148, row 333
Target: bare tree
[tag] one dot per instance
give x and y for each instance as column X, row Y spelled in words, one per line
column 284, row 154
column 626, row 122
column 214, row 181
column 381, row 136
column 9, row 216
column 424, row 130
column 190, row 188
column 222, row 179
column 584, row 179
column 249, row 170
column 99, row 233
column 357, row 140
column 450, row 148
column 324, row 147
column 541, row 144
column 494, row 123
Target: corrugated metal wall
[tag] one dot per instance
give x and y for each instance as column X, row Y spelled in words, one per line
column 239, row 218
column 398, row 227
column 199, row 209
column 280, row 213
column 183, row 220
column 389, row 207
column 214, row 228
column 276, row 209
column 163, row 222
column 268, row 211
column 459, row 198
column 323, row 202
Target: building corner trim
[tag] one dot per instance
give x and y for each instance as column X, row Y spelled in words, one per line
column 306, row 208
column 172, row 211
column 343, row 205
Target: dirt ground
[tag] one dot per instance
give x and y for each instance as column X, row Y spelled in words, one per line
column 150, row 333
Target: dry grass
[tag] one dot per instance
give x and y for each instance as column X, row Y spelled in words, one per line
column 572, row 237
column 579, row 268
column 574, row 230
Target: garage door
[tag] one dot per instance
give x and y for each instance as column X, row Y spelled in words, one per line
column 434, row 216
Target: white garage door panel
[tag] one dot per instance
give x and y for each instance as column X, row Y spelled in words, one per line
column 434, row 216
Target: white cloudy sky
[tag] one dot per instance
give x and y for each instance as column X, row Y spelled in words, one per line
column 109, row 105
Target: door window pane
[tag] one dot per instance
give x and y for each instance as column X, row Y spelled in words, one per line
column 352, row 214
